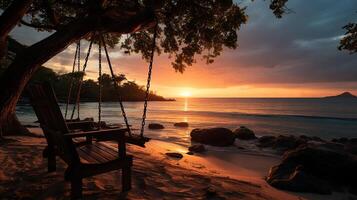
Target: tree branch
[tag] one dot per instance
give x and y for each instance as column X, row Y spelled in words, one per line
column 38, row 26
column 12, row 15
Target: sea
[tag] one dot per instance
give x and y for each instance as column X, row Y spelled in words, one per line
column 325, row 118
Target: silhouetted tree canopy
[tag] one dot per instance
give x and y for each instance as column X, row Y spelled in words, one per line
column 349, row 41
column 128, row 90
column 187, row 27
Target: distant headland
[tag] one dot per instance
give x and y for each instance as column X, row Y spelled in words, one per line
column 344, row 95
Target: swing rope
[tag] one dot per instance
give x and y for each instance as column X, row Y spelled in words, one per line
column 148, row 81
column 100, row 79
column 79, row 69
column 147, row 92
column 80, row 82
column 71, row 80
column 116, row 88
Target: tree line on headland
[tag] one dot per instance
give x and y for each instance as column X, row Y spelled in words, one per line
column 128, row 90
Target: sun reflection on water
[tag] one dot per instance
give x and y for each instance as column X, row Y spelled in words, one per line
column 185, row 107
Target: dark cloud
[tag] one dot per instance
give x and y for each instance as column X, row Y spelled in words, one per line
column 300, row 48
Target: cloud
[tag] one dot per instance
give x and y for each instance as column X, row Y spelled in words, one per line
column 299, row 49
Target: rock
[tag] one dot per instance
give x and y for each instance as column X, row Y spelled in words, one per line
column 213, row 136
column 174, row 155
column 197, row 148
column 156, row 126
column 317, row 139
column 181, row 124
column 351, row 146
column 342, row 140
column 313, row 138
column 300, row 181
column 266, row 141
column 190, row 153
column 314, row 168
column 244, row 133
column 282, row 142
column 91, row 119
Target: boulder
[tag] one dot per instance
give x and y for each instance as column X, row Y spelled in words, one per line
column 342, row 140
column 351, row 146
column 174, row 155
column 313, row 138
column 300, row 181
column 282, row 142
column 156, row 126
column 213, row 136
column 266, row 141
column 314, row 168
column 181, row 124
column 197, row 148
column 244, row 133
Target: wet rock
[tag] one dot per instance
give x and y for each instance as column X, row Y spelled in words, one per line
column 313, row 138
column 181, row 124
column 300, row 181
column 197, row 148
column 174, row 155
column 266, row 141
column 351, row 146
column 91, row 119
column 282, row 142
column 156, row 126
column 213, row 136
column 314, row 168
column 244, row 133
column 342, row 140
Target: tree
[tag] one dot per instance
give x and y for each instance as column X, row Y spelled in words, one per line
column 186, row 28
column 349, row 41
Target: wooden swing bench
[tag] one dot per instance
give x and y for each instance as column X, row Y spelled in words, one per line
column 84, row 159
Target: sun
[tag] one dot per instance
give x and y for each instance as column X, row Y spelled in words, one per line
column 186, row 94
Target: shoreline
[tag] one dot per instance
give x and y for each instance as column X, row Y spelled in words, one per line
column 232, row 175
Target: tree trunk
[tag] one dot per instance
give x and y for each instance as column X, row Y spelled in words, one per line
column 9, row 19
column 15, row 78
column 25, row 65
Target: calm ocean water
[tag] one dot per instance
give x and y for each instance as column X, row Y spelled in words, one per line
column 266, row 116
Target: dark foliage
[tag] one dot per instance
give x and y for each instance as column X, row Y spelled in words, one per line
column 349, row 41
column 128, row 90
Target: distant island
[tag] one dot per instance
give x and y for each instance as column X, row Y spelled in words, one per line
column 344, row 95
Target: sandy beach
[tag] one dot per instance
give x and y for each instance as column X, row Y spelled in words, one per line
column 23, row 175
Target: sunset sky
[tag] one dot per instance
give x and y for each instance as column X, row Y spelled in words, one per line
column 295, row 56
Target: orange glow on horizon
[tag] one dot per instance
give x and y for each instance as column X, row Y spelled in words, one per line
column 201, row 80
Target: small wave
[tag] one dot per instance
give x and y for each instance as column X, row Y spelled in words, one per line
column 241, row 114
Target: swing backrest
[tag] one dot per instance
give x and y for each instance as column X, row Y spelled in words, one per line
column 45, row 105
